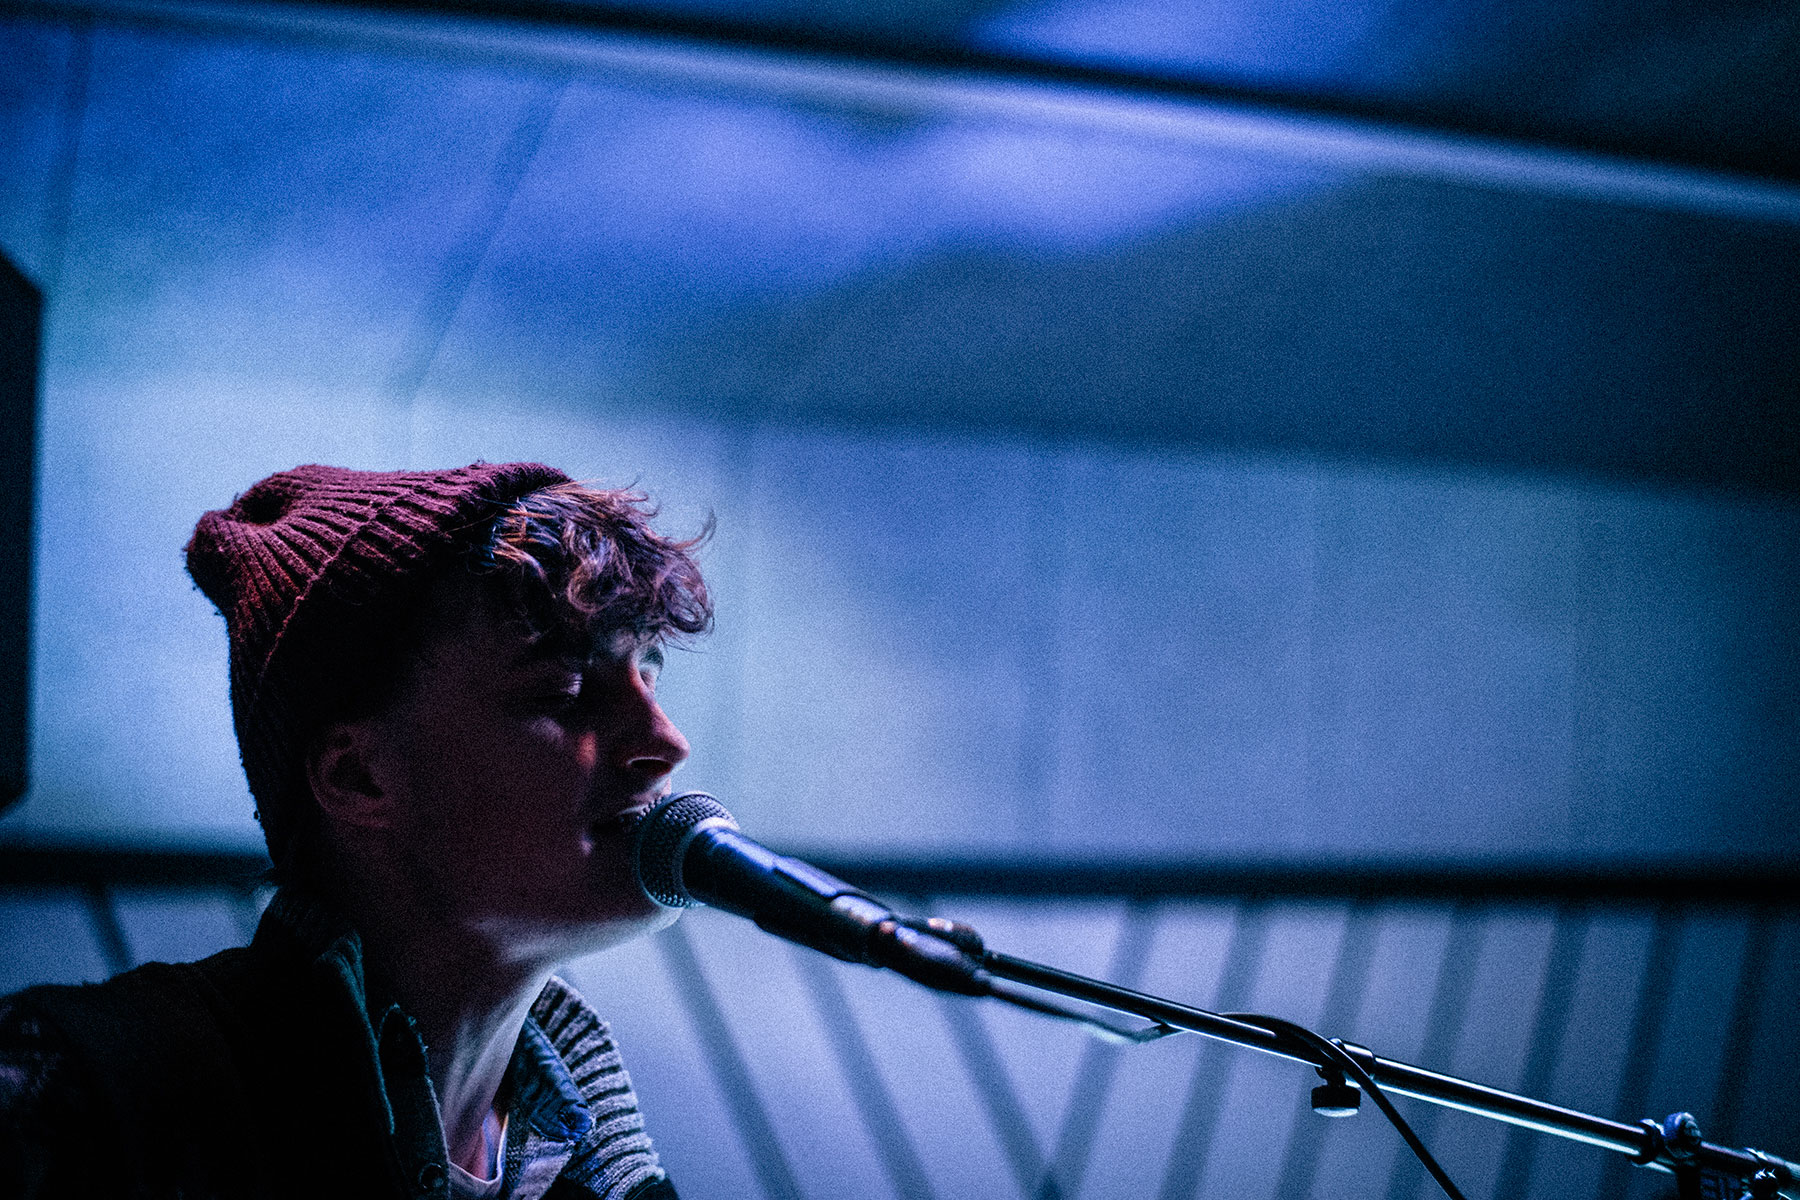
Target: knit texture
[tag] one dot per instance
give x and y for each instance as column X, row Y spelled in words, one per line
column 310, row 568
column 574, row 1117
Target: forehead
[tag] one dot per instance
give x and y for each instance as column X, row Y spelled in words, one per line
column 461, row 617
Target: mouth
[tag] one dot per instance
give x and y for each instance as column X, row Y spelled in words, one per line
column 619, row 825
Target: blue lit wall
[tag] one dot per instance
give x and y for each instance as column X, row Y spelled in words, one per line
column 935, row 633
column 1092, row 480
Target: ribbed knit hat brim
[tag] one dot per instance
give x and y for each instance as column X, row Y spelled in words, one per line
column 307, row 552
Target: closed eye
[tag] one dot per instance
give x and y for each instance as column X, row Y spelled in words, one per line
column 553, row 695
column 650, row 665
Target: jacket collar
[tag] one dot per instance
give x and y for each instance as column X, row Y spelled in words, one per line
column 383, row 1038
column 572, row 1110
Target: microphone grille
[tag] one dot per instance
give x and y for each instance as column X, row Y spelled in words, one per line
column 662, row 840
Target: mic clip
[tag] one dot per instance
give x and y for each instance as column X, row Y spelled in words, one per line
column 942, row 955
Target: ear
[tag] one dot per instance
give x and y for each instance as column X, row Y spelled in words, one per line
column 340, row 766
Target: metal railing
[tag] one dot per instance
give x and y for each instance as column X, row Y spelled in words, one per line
column 1677, row 906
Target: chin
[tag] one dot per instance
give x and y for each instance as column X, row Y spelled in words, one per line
column 615, row 927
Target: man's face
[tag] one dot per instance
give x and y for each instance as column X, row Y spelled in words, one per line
column 517, row 771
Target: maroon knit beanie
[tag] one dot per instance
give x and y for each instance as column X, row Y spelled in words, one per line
column 310, row 568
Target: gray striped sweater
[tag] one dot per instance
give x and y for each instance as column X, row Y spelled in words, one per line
column 571, row 1111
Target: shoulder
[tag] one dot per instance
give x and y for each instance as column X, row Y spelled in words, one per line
column 45, row 1100
column 76, row 1064
column 658, row 1188
column 655, row 1188
column 95, row 1076
column 34, row 1058
column 131, row 1017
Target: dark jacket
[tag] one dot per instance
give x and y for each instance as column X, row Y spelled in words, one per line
column 264, row 1072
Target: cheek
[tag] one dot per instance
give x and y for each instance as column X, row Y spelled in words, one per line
column 587, row 751
column 484, row 782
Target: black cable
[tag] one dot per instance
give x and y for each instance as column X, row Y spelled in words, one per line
column 1347, row 1063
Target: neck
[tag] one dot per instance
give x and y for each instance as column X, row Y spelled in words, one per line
column 468, row 998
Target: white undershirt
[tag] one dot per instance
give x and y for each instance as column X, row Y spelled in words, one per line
column 465, row 1186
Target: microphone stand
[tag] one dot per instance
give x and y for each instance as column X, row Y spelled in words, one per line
column 1675, row 1146
column 689, row 849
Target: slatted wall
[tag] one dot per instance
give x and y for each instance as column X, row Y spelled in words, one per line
column 769, row 1071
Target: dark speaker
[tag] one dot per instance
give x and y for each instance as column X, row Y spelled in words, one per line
column 21, row 319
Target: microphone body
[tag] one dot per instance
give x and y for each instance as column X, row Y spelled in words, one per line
column 689, row 850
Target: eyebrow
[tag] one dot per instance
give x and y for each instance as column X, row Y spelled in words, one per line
column 552, row 649
column 541, row 651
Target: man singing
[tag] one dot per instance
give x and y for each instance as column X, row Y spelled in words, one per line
column 444, row 690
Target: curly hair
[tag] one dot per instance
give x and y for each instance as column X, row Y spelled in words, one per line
column 573, row 563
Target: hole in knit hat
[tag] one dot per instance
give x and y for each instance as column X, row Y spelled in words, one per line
column 264, row 504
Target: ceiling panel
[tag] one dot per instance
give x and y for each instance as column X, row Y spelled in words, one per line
column 394, row 225
column 1682, row 80
column 241, row 207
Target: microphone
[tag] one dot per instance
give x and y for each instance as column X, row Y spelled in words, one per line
column 689, row 850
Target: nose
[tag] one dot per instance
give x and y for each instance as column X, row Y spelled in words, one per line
column 659, row 748
column 645, row 742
